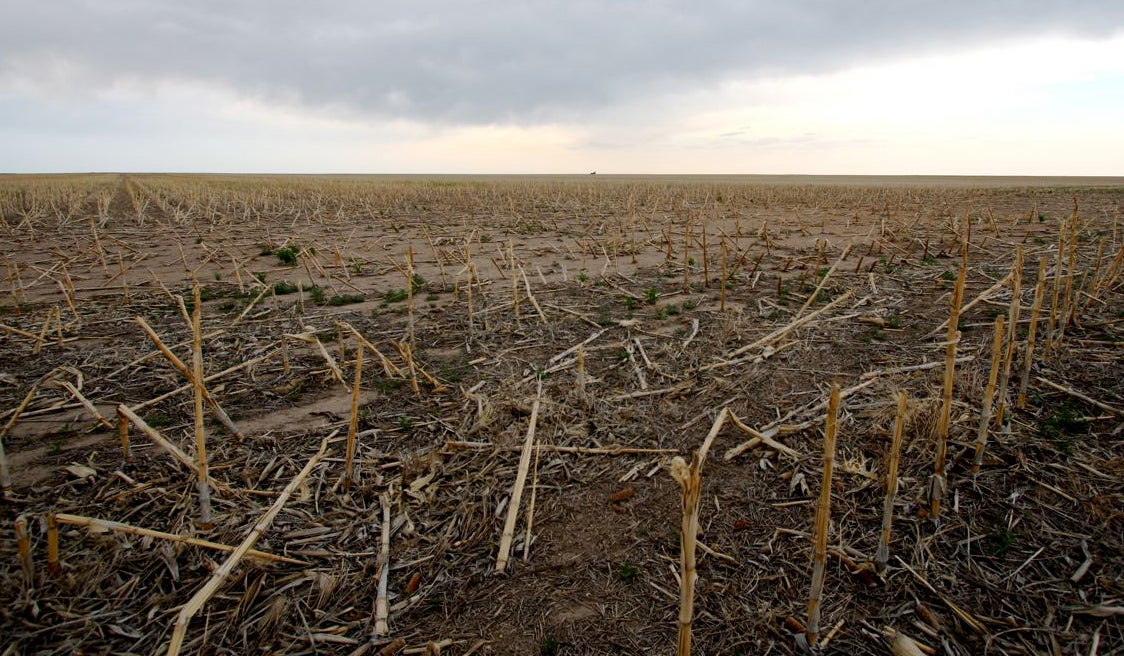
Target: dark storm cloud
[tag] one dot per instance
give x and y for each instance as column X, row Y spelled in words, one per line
column 482, row 62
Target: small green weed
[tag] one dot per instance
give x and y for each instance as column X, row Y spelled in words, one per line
column 874, row 334
column 210, row 294
column 626, row 572
column 395, row 296
column 453, row 373
column 345, row 299
column 230, row 305
column 550, row 647
column 287, row 255
column 1062, row 426
column 157, row 419
column 388, row 385
column 1000, row 541
column 284, row 287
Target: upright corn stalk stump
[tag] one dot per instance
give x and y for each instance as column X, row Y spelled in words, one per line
column 23, row 545
column 989, row 395
column 1059, row 268
column 353, row 422
column 200, row 432
column 936, row 491
column 1028, row 350
column 1013, row 311
column 882, row 556
column 689, row 478
column 823, row 518
column 123, row 435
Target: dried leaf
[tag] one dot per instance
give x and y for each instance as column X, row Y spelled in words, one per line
column 127, row 632
column 903, row 645
column 393, row 648
column 81, row 471
column 419, row 483
column 680, row 471
column 794, row 625
column 1102, row 611
column 798, row 482
column 623, row 494
column 413, row 584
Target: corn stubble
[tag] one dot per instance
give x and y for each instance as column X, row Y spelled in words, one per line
column 952, row 339
column 498, row 321
column 689, row 478
column 823, row 519
column 882, row 556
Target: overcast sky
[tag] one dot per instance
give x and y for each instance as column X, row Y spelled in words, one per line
column 1005, row 87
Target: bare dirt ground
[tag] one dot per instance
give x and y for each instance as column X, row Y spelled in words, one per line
column 510, row 275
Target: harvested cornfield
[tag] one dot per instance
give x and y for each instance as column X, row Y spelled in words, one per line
column 379, row 415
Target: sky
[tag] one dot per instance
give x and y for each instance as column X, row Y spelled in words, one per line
column 870, row 87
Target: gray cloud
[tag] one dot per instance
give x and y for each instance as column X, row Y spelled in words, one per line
column 487, row 62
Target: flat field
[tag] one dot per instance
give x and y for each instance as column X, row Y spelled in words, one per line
column 534, row 353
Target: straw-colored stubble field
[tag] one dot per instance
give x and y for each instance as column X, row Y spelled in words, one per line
column 440, row 415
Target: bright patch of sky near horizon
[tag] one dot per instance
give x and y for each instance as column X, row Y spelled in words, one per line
column 1034, row 105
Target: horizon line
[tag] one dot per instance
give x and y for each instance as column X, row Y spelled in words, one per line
column 577, row 174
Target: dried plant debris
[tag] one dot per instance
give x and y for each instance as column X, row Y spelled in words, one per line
column 490, row 476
